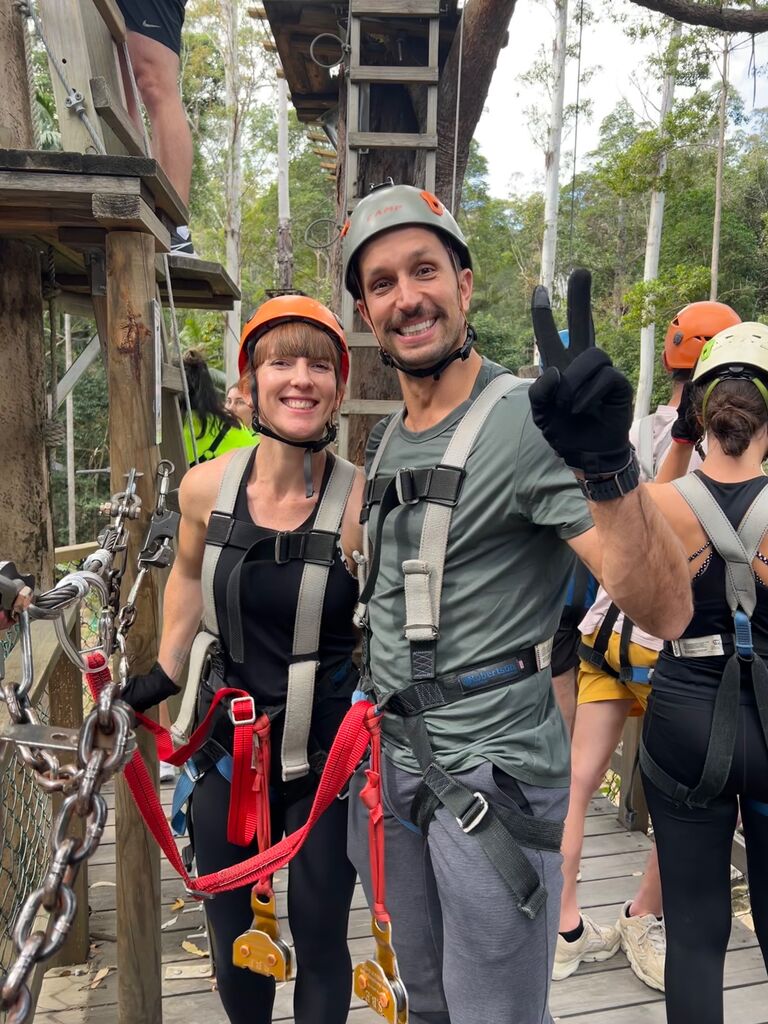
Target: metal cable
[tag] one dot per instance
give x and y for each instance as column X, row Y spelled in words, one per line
column 136, row 98
column 458, row 106
column 177, row 346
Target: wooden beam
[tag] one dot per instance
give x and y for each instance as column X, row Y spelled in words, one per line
column 65, row 33
column 130, row 290
column 130, row 213
column 103, row 57
column 373, row 73
column 392, row 140
column 362, row 339
column 75, row 552
column 370, row 407
column 114, row 114
column 172, row 379
column 395, row 8
column 112, row 17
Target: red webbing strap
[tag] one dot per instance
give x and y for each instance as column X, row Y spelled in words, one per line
column 164, row 741
column 249, row 797
column 371, row 797
column 344, row 756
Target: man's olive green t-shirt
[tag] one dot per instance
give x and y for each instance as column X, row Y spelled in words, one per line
column 506, row 575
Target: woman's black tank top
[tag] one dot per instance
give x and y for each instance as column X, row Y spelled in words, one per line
column 268, row 597
column 711, row 613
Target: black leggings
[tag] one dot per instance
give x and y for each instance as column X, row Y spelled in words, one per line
column 320, row 884
column 694, row 848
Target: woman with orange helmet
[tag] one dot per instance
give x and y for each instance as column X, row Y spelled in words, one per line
column 265, row 558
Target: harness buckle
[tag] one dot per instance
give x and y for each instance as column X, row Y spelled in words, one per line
column 742, row 629
column 474, row 814
column 247, row 702
column 191, row 770
column 405, row 487
column 282, row 552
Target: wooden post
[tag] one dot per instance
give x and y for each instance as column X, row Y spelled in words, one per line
column 27, row 530
column 130, row 370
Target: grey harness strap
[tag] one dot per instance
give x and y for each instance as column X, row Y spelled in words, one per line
column 738, row 549
column 391, row 427
column 644, row 452
column 306, row 633
column 210, row 633
column 424, row 575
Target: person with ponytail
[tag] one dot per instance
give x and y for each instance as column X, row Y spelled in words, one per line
column 704, row 757
column 295, row 361
column 216, row 429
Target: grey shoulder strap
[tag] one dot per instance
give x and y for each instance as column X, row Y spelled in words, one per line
column 736, row 548
column 225, row 502
column 391, row 427
column 424, row 575
column 306, row 632
column 645, row 446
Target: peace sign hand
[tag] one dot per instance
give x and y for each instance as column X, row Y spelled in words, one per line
column 582, row 404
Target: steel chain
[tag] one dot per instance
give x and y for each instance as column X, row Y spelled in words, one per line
column 106, row 741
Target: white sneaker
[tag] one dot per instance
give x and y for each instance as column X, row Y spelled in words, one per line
column 167, row 772
column 598, row 942
column 644, row 941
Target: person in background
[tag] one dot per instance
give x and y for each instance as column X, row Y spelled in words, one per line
column 154, row 44
column 216, row 429
column 239, row 404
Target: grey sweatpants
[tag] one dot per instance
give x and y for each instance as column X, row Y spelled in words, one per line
column 466, row 954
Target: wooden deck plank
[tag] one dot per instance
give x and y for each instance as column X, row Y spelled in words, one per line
column 604, row 993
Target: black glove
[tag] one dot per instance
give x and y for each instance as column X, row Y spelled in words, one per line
column 585, row 413
column 686, row 429
column 143, row 692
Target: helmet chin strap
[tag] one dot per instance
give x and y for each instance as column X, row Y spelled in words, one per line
column 310, row 447
column 437, row 369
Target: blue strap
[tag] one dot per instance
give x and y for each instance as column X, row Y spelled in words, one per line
column 742, row 634
column 755, row 805
column 185, row 784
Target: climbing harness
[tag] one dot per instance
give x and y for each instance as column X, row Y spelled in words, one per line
column 738, row 548
column 596, row 654
column 102, row 747
column 500, row 831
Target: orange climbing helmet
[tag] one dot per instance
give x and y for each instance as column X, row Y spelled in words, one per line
column 689, row 331
column 283, row 309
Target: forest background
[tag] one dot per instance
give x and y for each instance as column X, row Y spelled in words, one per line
column 604, row 205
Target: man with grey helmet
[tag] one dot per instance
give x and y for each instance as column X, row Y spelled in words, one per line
column 473, row 521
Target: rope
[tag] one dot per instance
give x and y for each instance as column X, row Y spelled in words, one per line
column 52, row 430
column 74, row 101
column 576, row 135
column 37, row 129
column 458, row 106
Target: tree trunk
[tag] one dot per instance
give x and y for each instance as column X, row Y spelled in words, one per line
column 718, row 218
column 25, row 510
column 727, row 19
column 552, row 158
column 233, row 180
column 485, row 34
column 653, row 243
column 284, row 240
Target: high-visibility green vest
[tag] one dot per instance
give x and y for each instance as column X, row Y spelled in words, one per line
column 217, row 439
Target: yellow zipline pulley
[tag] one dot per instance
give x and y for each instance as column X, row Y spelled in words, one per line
column 261, row 949
column 377, row 982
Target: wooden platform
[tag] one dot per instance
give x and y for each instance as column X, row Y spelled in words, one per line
column 607, row 993
column 67, row 202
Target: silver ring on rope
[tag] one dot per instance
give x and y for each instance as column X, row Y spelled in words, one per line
column 314, row 243
column 342, row 46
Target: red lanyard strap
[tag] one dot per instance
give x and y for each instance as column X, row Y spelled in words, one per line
column 345, row 754
column 371, row 797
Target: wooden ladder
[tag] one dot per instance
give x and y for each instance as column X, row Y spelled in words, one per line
column 359, row 138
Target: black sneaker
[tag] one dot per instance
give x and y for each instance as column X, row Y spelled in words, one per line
column 181, row 242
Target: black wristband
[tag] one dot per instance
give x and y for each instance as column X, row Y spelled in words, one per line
column 608, row 488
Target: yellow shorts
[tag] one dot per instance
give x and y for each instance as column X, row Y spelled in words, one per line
column 595, row 684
